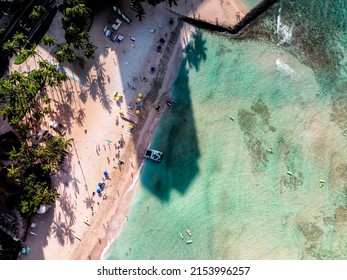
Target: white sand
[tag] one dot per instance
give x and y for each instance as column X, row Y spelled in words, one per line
column 80, row 225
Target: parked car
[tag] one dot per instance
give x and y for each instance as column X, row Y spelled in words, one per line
column 41, row 136
column 107, row 31
column 58, row 127
column 117, row 24
column 117, row 38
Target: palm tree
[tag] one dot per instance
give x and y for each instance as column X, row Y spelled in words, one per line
column 84, row 35
column 89, row 50
column 58, row 144
column 8, row 112
column 22, row 131
column 46, row 99
column 69, row 3
column 20, row 38
column 64, row 52
column 71, row 33
column 32, row 52
column 14, row 174
column 67, row 53
column 11, row 46
column 60, row 55
column 48, row 40
column 78, row 12
column 15, row 77
column 37, row 13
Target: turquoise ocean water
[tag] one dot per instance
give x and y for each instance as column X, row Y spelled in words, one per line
column 255, row 160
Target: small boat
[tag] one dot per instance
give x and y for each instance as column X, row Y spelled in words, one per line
column 189, row 232
column 181, row 235
column 189, row 241
column 232, row 118
column 153, row 155
column 168, row 103
column 174, row 101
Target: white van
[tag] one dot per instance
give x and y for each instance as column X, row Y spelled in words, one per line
column 117, row 24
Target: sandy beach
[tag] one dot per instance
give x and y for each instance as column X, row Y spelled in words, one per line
column 82, row 223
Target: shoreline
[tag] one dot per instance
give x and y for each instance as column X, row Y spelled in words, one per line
column 146, row 126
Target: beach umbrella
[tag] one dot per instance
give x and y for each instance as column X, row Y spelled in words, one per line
column 152, row 69
column 105, row 173
column 139, row 94
column 162, row 40
column 121, row 112
column 131, row 126
column 137, row 112
column 117, row 98
column 119, row 95
column 98, row 191
column 99, row 184
column 138, row 99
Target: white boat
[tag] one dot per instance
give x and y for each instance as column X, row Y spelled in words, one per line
column 181, row 235
column 153, row 155
column 189, row 232
column 189, row 241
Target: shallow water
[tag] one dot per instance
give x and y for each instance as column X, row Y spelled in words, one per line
column 255, row 150
column 251, row 3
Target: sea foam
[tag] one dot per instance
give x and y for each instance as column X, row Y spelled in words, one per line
column 286, row 69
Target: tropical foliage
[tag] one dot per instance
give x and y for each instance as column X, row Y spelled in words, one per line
column 18, row 41
column 21, row 91
column 48, row 40
column 37, row 13
column 35, row 193
column 35, row 165
column 24, row 106
column 76, row 18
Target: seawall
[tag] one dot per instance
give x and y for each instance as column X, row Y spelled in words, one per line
column 247, row 19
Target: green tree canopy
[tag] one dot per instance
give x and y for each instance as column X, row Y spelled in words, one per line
column 35, row 193
column 37, row 13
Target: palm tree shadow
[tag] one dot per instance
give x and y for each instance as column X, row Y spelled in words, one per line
column 176, row 135
column 196, row 50
column 58, row 229
column 83, row 96
column 91, row 87
column 80, row 116
column 70, row 233
column 89, row 201
column 67, row 207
